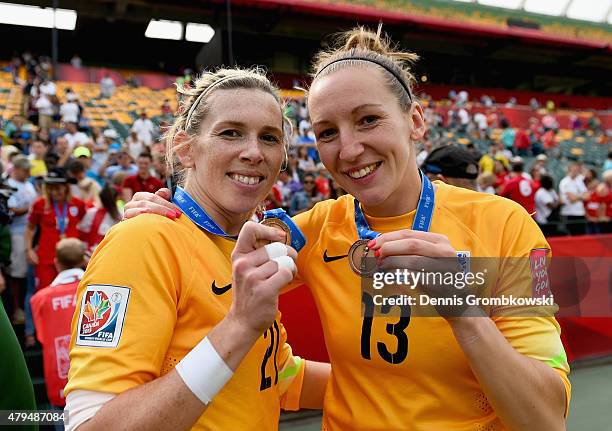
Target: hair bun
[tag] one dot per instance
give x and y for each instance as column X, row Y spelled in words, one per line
column 362, row 38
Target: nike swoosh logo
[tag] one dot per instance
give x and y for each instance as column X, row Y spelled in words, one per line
column 328, row 259
column 220, row 290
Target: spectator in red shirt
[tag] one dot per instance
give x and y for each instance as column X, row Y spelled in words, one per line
column 166, row 109
column 595, row 208
column 322, row 182
column 520, row 189
column 501, row 175
column 99, row 219
column 274, row 198
column 56, row 215
column 143, row 181
column 549, row 139
column 52, row 311
column 598, row 206
column 536, row 176
column 521, row 142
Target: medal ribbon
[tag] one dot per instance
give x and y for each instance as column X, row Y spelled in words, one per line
column 298, row 241
column 197, row 214
column 422, row 217
column 60, row 217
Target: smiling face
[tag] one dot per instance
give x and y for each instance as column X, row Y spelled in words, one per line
column 235, row 159
column 364, row 137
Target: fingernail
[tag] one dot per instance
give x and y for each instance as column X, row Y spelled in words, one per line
column 372, row 243
column 377, row 253
column 171, row 215
column 178, row 213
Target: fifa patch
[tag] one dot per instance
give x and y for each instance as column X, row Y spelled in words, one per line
column 463, row 257
column 102, row 314
column 540, row 283
column 62, row 354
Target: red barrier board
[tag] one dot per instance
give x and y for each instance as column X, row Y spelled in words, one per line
column 583, row 337
column 586, row 337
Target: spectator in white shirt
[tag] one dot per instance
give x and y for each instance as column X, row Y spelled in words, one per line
column 485, row 182
column 573, row 193
column 420, row 158
column 135, row 146
column 464, row 119
column 19, row 203
column 74, row 137
column 45, row 111
column 303, row 127
column 144, row 128
column 70, row 109
column 47, row 87
column 462, row 98
column 481, row 123
column 546, row 201
column 76, row 61
column 107, row 87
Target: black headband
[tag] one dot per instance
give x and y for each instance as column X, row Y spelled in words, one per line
column 392, row 72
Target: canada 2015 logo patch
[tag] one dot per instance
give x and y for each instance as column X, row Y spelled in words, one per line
column 102, row 314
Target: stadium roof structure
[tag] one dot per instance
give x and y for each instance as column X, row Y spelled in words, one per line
column 460, row 43
column 587, row 10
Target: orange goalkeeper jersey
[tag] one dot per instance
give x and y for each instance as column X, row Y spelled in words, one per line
column 153, row 289
column 393, row 373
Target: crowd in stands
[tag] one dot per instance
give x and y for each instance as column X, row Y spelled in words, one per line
column 513, row 162
column 68, row 178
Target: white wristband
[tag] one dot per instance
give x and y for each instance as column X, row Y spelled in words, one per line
column 276, row 249
column 285, row 262
column 204, row 371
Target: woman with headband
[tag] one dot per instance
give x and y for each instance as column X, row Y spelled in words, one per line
column 480, row 370
column 174, row 315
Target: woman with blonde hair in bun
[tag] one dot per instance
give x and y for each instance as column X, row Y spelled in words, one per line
column 471, row 369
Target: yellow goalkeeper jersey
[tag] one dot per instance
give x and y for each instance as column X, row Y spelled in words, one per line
column 398, row 373
column 153, row 289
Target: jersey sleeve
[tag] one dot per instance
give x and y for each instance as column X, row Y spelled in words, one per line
column 290, row 374
column 522, row 264
column 532, row 331
column 134, row 277
column 538, row 338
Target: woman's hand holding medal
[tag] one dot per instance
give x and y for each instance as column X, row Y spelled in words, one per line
column 258, row 274
column 425, row 253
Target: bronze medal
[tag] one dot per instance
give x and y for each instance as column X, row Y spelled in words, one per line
column 357, row 259
column 278, row 224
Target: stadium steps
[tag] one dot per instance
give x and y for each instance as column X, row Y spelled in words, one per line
column 34, row 361
column 121, row 128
